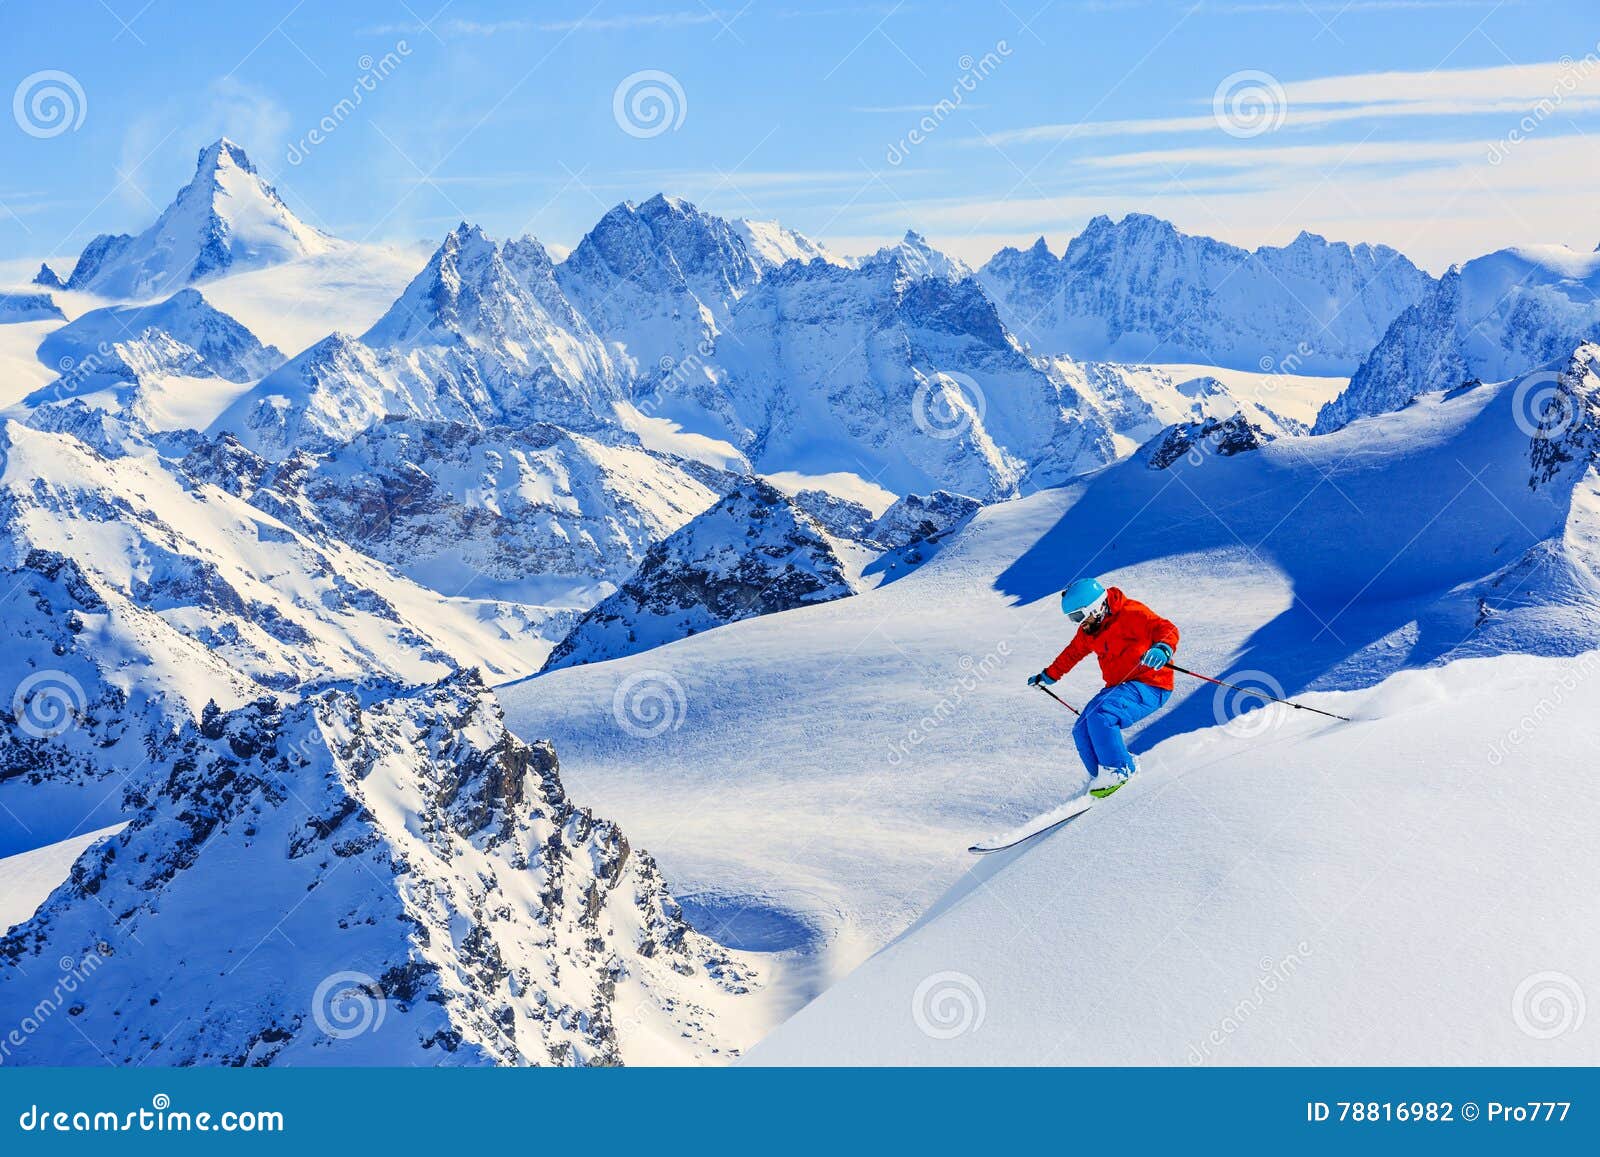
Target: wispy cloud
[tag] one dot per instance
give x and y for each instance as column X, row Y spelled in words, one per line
column 1327, row 156
column 1319, row 102
column 1438, row 203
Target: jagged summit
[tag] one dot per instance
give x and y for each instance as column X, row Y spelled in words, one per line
column 1490, row 319
column 464, row 284
column 226, row 218
column 48, row 277
column 918, row 258
column 481, row 335
column 1142, row 290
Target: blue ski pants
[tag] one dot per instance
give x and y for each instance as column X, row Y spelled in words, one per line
column 1098, row 732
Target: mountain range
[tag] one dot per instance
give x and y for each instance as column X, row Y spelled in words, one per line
column 1138, row 290
column 263, row 604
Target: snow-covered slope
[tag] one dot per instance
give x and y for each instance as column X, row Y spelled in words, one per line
column 371, row 876
column 95, row 679
column 772, row 243
column 1138, row 290
column 1496, row 316
column 1136, row 402
column 278, row 607
column 754, row 553
column 481, row 335
column 28, row 878
column 530, row 512
column 893, row 727
column 345, row 290
column 166, row 365
column 226, row 218
column 1288, row 891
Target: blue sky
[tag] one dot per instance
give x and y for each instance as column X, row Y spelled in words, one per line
column 1417, row 123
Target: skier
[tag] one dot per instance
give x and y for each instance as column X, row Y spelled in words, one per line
column 1134, row 646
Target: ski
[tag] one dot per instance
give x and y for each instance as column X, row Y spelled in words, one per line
column 1037, row 826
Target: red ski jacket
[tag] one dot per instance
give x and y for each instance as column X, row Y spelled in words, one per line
column 1128, row 630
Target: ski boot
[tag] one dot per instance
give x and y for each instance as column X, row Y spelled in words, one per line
column 1108, row 779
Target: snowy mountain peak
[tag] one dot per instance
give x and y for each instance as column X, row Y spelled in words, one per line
column 158, row 365
column 1141, row 290
column 773, row 244
column 226, row 218
column 48, row 278
column 667, row 237
column 658, row 279
column 491, row 920
column 481, row 335
column 1134, row 230
column 222, row 153
column 917, row 258
column 1497, row 316
column 661, row 203
column 463, row 281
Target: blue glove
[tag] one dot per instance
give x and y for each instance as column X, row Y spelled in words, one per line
column 1157, row 657
column 1042, row 679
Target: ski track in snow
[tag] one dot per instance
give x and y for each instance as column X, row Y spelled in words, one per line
column 1373, row 893
column 839, row 759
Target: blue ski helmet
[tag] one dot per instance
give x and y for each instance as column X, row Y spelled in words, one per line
column 1084, row 599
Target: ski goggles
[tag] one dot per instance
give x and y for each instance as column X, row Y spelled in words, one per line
column 1089, row 611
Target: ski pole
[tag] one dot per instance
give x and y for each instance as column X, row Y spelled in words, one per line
column 1058, row 698
column 1262, row 694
